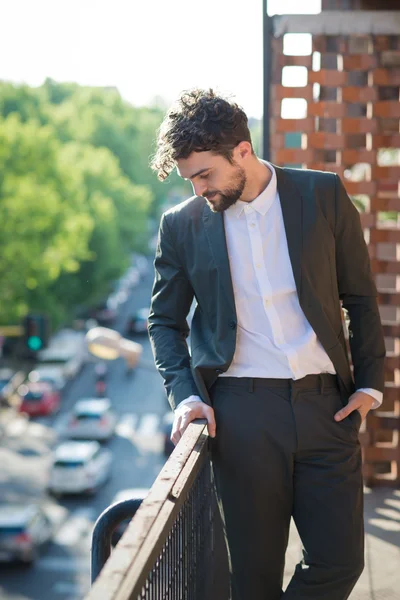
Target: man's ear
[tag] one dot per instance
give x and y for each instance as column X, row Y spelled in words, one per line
column 243, row 150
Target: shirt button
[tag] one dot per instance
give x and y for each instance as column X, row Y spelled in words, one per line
column 258, row 265
column 252, row 224
column 267, row 301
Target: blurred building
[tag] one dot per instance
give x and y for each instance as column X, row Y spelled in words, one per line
column 333, row 103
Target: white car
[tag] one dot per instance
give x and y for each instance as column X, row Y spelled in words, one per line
column 67, row 351
column 24, row 529
column 91, row 419
column 52, row 374
column 79, row 467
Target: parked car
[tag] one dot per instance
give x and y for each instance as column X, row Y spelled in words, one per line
column 24, row 529
column 138, row 322
column 105, row 313
column 128, row 494
column 91, row 419
column 79, row 467
column 39, row 398
column 70, row 359
column 51, row 374
column 6, row 376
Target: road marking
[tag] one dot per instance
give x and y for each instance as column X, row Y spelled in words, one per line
column 78, row 525
column 126, row 425
column 148, row 424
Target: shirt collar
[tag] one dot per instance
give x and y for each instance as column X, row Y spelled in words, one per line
column 263, row 202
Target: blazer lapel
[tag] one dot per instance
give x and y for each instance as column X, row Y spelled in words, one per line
column 292, row 210
column 215, row 231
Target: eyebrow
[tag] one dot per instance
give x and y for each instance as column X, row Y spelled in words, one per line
column 198, row 173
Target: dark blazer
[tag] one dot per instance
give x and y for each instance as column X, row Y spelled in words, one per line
column 330, row 263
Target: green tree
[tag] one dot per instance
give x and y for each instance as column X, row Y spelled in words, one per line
column 44, row 229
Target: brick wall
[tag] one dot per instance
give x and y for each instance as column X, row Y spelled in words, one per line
column 348, row 122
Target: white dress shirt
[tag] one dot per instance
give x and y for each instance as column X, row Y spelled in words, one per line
column 274, row 338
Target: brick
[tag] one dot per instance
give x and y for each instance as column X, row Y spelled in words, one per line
column 319, row 43
column 386, row 77
column 358, row 78
column 382, row 453
column 388, row 236
column 359, row 44
column 351, row 156
column 277, row 140
column 386, row 109
column 386, row 141
column 385, row 204
column 329, row 110
column 390, row 58
column 361, row 187
column 359, row 94
column 285, row 60
column 306, row 125
column 280, row 91
column 355, row 110
column 329, row 125
column 390, row 300
column 359, row 62
column 329, row 60
column 389, row 188
column 326, row 141
column 368, row 220
column 328, row 78
column 388, row 125
column 392, row 393
column 390, row 172
column 294, row 155
column 327, row 94
column 390, row 267
column 381, row 42
column 387, row 92
column 391, row 330
column 355, row 141
column 337, row 43
column 392, row 361
column 359, row 125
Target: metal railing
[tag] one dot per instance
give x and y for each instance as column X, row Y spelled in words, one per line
column 173, row 549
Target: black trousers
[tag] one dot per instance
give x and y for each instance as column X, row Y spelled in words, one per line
column 278, row 453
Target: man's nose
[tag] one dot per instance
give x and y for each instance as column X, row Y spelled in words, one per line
column 199, row 188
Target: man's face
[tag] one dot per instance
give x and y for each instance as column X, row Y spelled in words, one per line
column 214, row 177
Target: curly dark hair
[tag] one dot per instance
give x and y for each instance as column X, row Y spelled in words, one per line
column 200, row 120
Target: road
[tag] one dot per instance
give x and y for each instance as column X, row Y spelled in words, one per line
column 63, row 570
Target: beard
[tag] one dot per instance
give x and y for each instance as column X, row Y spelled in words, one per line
column 218, row 201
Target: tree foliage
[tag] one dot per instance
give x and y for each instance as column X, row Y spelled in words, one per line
column 76, row 194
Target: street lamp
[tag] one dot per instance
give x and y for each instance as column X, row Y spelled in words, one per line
column 108, row 344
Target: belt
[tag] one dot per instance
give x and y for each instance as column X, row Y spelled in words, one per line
column 312, row 381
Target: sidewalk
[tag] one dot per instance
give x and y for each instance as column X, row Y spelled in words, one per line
column 381, row 577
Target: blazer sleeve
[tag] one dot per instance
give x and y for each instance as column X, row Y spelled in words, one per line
column 358, row 293
column 172, row 297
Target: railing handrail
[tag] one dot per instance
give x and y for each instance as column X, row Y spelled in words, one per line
column 126, row 569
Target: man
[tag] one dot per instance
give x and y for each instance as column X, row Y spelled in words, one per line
column 268, row 253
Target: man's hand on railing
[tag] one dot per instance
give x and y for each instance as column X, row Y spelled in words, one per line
column 189, row 412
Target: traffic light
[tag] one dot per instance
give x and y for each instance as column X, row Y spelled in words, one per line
column 35, row 332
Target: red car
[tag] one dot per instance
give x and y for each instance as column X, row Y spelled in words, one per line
column 38, row 399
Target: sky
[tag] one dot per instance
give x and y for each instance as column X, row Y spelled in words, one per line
column 146, row 48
